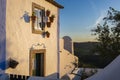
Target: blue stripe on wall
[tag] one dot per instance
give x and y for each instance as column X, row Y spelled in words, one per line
column 2, row 34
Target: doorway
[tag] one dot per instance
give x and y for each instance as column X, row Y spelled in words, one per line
column 37, row 63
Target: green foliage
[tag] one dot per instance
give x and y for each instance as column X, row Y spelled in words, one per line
column 108, row 34
column 93, row 61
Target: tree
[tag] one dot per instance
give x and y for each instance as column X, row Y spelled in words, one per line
column 108, row 34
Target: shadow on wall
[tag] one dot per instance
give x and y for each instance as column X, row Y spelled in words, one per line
column 5, row 63
column 2, row 54
column 67, row 43
column 26, row 17
column 2, row 34
column 65, row 77
column 2, row 44
column 52, row 76
column 49, row 77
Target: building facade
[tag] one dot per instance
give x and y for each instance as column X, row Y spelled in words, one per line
column 28, row 45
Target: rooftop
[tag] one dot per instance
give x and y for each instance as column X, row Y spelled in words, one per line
column 55, row 4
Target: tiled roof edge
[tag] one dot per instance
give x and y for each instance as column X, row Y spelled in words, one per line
column 55, row 3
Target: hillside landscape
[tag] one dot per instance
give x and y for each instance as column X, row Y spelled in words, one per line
column 88, row 57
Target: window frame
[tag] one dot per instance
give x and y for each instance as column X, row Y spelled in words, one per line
column 34, row 5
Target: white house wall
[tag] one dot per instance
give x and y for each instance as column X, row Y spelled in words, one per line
column 2, row 34
column 20, row 38
column 66, row 60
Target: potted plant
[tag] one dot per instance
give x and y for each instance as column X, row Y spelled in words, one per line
column 42, row 25
column 52, row 18
column 13, row 63
column 43, row 33
column 47, row 34
column 33, row 17
column 48, row 24
column 47, row 12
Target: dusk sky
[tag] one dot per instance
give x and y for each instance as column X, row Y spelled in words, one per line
column 80, row 16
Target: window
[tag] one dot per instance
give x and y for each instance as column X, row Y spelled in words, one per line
column 38, row 19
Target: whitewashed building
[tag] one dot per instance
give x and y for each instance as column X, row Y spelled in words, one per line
column 29, row 41
column 29, row 38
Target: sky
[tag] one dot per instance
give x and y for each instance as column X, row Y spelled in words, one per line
column 80, row 16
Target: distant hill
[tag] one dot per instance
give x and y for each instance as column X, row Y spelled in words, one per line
column 88, row 58
column 84, row 48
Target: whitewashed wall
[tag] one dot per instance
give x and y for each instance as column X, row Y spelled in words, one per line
column 20, row 37
column 66, row 60
column 2, row 34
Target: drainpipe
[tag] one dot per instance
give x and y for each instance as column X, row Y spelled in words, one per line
column 58, row 54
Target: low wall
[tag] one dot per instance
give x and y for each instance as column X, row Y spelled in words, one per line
column 66, row 62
